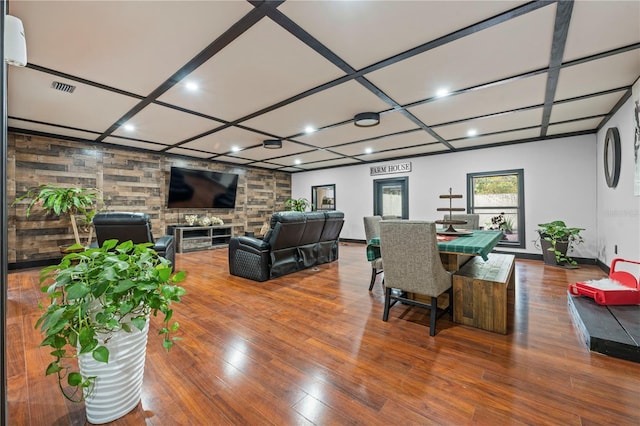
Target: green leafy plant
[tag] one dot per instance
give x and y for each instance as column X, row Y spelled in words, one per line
column 98, row 292
column 557, row 233
column 70, row 201
column 298, row 205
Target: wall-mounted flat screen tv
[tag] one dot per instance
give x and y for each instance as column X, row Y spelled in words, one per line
column 197, row 189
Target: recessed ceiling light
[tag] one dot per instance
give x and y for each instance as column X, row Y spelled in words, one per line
column 297, row 161
column 472, row 132
column 191, row 86
column 235, row 148
column 309, row 129
column 129, row 127
column 442, row 92
column 368, row 151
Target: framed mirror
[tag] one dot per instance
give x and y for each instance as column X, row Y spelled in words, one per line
column 612, row 157
column 323, row 197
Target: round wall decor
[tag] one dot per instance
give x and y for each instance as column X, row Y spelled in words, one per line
column 612, row 157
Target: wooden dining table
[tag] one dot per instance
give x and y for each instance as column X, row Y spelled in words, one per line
column 454, row 250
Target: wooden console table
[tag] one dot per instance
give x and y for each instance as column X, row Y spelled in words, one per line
column 192, row 238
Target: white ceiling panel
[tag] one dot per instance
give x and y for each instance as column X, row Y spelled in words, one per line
column 229, row 159
column 406, row 152
column 263, row 66
column 44, row 128
column 491, row 100
column 616, row 26
column 189, row 152
column 131, row 45
column 574, row 126
column 260, row 153
column 165, row 125
column 305, row 157
column 620, row 70
column 224, row 140
column 341, row 102
column 87, row 108
column 597, row 105
column 328, row 163
column 472, row 60
column 492, row 124
column 391, row 122
column 263, row 59
column 491, row 139
column 405, row 24
column 134, row 144
column 377, row 145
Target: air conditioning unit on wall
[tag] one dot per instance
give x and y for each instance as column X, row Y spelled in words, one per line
column 15, row 44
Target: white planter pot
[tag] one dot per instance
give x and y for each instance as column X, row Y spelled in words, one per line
column 118, row 383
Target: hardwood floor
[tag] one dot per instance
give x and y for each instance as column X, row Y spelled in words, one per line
column 311, row 348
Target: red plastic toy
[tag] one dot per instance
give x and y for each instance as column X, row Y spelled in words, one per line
column 621, row 288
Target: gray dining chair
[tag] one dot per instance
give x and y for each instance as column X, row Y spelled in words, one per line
column 412, row 264
column 372, row 230
column 473, row 220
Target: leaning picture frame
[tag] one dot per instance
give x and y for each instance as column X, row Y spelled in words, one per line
column 323, row 197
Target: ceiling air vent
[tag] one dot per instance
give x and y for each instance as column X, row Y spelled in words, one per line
column 63, row 87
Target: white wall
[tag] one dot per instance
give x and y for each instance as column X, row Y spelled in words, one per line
column 618, row 209
column 560, row 184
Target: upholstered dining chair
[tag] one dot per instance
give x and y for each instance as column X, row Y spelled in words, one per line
column 412, row 264
column 473, row 220
column 124, row 226
column 372, row 230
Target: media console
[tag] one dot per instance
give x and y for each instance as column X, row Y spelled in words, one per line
column 192, row 238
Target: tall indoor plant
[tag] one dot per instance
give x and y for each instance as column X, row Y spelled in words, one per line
column 556, row 240
column 100, row 303
column 71, row 201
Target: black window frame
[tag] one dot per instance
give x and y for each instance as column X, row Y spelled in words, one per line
column 377, row 194
column 471, row 209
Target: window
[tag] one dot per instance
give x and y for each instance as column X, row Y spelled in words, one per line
column 491, row 194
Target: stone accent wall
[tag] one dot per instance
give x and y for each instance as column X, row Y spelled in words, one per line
column 129, row 180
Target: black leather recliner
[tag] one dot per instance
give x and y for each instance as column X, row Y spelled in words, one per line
column 295, row 241
column 125, row 226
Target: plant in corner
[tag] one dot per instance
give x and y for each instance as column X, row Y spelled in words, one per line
column 556, row 240
column 70, row 201
column 298, row 205
column 100, row 303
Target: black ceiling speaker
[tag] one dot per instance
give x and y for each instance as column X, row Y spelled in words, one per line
column 366, row 119
column 272, row 144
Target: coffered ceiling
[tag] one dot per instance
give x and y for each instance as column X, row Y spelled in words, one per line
column 512, row 71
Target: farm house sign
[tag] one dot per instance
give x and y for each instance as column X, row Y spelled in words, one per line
column 391, row 168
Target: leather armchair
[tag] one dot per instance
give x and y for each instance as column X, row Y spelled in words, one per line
column 125, row 226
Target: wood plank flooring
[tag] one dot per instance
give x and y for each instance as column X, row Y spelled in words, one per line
column 311, row 348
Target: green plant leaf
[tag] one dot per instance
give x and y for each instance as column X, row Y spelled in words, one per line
column 101, row 354
column 74, row 379
column 77, row 290
column 124, row 285
column 52, row 368
column 139, row 322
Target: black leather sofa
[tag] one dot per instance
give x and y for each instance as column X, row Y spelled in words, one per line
column 125, row 226
column 295, row 241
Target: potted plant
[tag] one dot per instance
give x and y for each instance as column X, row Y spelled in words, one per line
column 70, row 201
column 298, row 205
column 100, row 303
column 556, row 240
